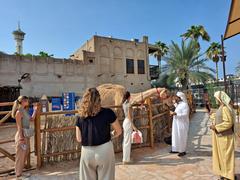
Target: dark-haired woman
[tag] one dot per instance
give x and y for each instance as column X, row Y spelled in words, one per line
column 93, row 131
column 128, row 127
column 20, row 113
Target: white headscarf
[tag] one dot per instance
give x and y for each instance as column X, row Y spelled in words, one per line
column 224, row 98
column 182, row 96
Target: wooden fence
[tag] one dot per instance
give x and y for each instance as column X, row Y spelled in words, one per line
column 43, row 131
column 146, row 117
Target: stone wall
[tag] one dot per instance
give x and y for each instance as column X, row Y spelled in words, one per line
column 53, row 76
column 48, row 76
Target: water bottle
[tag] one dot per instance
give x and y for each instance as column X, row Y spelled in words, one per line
column 23, row 146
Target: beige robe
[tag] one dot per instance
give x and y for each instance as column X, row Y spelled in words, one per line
column 223, row 147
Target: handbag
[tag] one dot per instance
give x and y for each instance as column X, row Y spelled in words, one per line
column 28, row 132
column 226, row 132
column 137, row 137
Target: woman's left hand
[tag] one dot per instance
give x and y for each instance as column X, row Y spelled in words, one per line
column 134, row 128
column 212, row 127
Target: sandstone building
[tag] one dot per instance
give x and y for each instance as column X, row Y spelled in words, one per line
column 99, row 60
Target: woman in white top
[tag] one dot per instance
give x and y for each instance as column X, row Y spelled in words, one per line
column 128, row 127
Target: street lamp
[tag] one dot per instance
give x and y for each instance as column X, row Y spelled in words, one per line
column 223, row 62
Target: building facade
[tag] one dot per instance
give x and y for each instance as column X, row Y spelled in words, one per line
column 100, row 60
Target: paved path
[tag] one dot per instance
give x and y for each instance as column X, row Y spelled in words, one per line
column 157, row 163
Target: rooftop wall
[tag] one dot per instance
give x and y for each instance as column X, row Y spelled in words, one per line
column 49, row 76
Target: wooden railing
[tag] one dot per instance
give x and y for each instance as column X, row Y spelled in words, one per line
column 148, row 106
column 39, row 130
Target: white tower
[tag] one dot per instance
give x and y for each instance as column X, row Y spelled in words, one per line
column 19, row 37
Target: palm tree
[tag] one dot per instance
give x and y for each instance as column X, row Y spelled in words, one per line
column 195, row 32
column 45, row 54
column 214, row 52
column 162, row 50
column 182, row 63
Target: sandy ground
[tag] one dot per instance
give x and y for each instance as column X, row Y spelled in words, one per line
column 149, row 164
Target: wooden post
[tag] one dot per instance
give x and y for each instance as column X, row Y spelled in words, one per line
column 150, row 122
column 169, row 123
column 38, row 138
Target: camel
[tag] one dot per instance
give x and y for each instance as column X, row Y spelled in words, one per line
column 112, row 94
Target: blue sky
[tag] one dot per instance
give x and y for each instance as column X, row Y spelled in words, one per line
column 59, row 27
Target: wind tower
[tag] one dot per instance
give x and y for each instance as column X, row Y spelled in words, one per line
column 19, row 37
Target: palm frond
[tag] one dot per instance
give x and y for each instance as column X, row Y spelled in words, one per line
column 183, row 61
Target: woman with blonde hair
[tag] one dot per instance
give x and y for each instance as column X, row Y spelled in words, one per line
column 223, row 137
column 93, row 130
column 24, row 132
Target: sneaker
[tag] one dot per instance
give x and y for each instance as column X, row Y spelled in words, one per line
column 182, row 154
column 173, row 152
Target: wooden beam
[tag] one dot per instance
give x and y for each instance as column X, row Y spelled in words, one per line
column 4, row 112
column 75, row 111
column 6, row 104
column 159, row 115
column 7, row 171
column 12, row 154
column 58, row 129
column 58, row 112
column 5, row 117
column 7, row 141
column 7, row 154
column 150, row 122
column 8, row 126
column 38, row 138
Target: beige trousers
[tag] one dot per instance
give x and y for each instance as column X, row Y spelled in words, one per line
column 21, row 154
column 97, row 162
column 127, row 137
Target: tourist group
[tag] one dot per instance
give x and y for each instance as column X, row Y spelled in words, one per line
column 97, row 126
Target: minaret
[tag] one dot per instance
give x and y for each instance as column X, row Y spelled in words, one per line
column 19, row 37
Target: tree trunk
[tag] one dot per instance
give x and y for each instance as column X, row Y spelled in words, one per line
column 159, row 65
column 217, row 72
column 184, row 83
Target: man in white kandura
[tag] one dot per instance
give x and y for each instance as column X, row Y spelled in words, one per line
column 180, row 124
